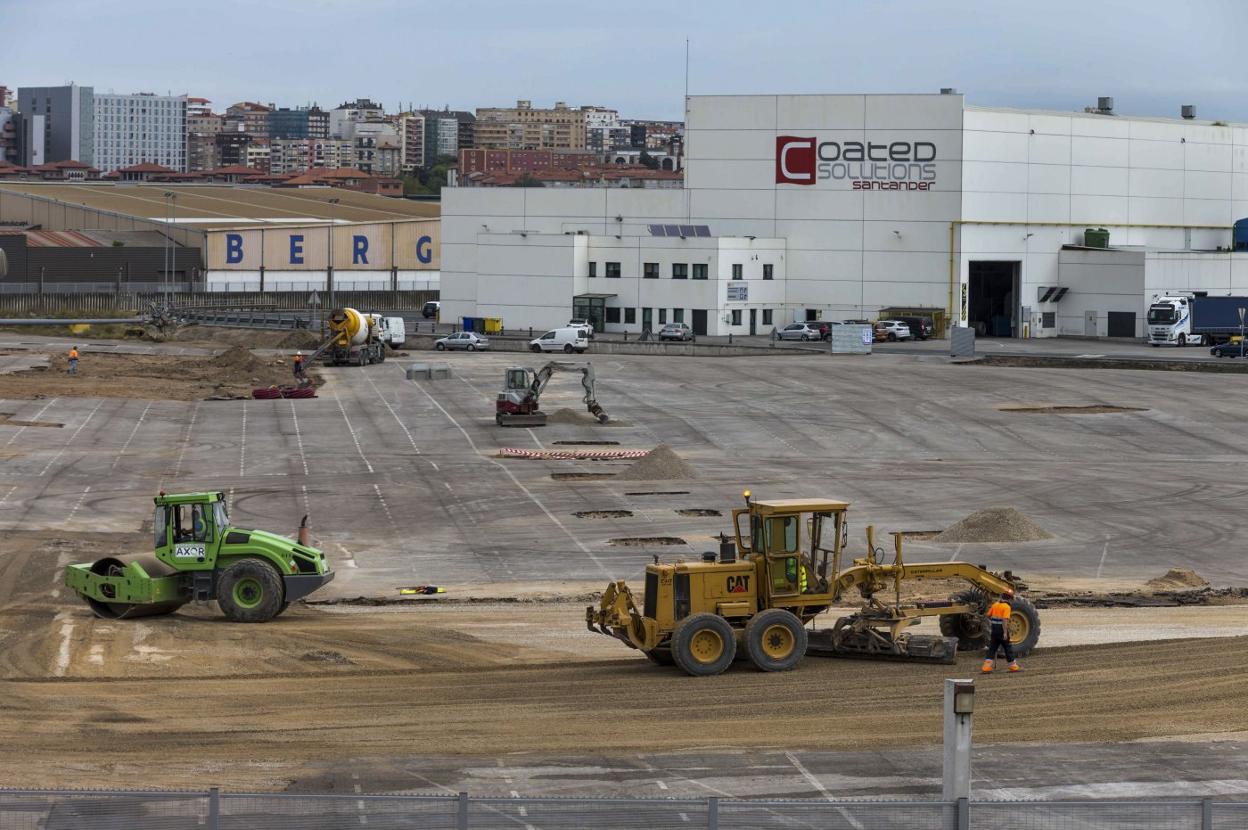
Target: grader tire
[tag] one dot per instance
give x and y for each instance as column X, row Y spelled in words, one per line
column 660, row 657
column 1024, row 626
column 704, row 645
column 775, row 640
column 970, row 629
column 250, row 591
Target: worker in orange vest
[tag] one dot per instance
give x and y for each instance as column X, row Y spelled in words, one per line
column 73, row 360
column 298, row 362
column 999, row 621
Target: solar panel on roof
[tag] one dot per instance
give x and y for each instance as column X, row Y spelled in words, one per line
column 657, row 230
column 672, row 230
column 687, row 230
column 702, row 230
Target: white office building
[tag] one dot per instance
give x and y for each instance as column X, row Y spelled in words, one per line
column 841, row 206
column 132, row 129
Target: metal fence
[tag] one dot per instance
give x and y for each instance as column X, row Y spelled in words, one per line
column 127, row 810
column 63, row 300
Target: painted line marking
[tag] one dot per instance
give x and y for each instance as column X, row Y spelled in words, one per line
column 385, row 507
column 303, row 459
column 12, row 490
column 61, row 451
column 354, row 436
column 827, row 796
column 36, row 417
column 516, row 481
column 133, row 433
column 397, row 419
column 956, row 553
column 186, row 440
column 77, row 505
column 62, row 654
column 1104, row 553
column 662, row 785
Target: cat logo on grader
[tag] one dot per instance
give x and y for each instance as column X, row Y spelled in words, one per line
column 739, row 584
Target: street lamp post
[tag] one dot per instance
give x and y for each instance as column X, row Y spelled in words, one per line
column 171, row 264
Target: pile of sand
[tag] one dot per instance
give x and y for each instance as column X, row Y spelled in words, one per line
column 662, row 464
column 239, row 361
column 995, row 524
column 1177, row 578
column 569, row 416
column 299, row 339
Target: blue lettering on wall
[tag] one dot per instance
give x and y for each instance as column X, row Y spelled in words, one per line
column 233, row 248
column 296, row 249
column 359, row 250
column 424, row 249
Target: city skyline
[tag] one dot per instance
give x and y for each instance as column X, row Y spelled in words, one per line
column 1151, row 57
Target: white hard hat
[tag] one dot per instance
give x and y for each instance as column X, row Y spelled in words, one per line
column 299, row 353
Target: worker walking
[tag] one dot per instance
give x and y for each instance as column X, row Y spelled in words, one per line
column 73, row 360
column 999, row 621
column 298, row 364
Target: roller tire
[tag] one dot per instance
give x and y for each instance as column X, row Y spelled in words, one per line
column 685, row 640
column 767, row 645
column 970, row 629
column 250, row 590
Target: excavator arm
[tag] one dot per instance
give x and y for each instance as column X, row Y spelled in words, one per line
column 543, row 375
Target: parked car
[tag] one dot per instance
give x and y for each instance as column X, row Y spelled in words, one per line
column 677, row 331
column 921, row 328
column 800, row 331
column 891, row 330
column 855, row 322
column 431, row 309
column 825, row 328
column 466, row 340
column 565, row 340
column 584, row 325
column 1229, row 349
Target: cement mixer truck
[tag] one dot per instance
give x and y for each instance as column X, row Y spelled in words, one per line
column 355, row 338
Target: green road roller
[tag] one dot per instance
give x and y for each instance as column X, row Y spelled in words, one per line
column 253, row 575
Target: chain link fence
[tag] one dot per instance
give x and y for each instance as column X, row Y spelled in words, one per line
column 212, row 810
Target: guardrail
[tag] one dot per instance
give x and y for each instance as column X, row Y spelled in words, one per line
column 215, row 810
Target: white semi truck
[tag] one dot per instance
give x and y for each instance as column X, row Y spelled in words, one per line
column 1193, row 319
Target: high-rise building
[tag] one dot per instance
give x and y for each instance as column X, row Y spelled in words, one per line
column 289, row 155
column 248, row 117
column 343, row 119
column 231, row 148
column 524, row 128
column 202, row 128
column 412, row 136
column 57, row 124
column 318, row 122
column 8, row 135
column 132, row 129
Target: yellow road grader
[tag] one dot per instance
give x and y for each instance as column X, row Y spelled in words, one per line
column 790, row 569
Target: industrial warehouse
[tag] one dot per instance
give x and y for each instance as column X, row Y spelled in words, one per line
column 217, row 237
column 1016, row 223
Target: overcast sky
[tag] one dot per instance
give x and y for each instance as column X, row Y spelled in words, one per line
column 1150, row 55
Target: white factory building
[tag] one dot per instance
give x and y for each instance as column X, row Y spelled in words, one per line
column 840, row 206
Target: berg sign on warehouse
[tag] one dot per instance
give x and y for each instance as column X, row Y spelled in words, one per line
column 405, row 246
column 893, row 165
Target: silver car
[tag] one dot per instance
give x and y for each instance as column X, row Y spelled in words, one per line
column 677, row 331
column 467, row 340
column 800, row 331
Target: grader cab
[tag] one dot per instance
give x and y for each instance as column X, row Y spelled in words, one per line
column 784, row 565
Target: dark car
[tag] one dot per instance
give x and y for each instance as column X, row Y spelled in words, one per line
column 921, row 328
column 431, row 309
column 1229, row 349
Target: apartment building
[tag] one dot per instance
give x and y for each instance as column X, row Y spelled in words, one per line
column 412, row 140
column 144, row 127
column 202, row 127
column 57, row 123
column 524, row 127
column 248, row 117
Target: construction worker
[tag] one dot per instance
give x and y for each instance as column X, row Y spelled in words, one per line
column 999, row 621
column 73, row 360
column 298, row 363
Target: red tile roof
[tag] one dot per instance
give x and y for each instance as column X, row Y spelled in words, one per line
column 147, row 167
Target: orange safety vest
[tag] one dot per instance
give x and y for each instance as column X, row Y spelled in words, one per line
column 73, row 354
column 298, row 358
column 1000, row 612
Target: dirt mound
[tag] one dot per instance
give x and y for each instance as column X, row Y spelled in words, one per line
column 662, row 464
column 240, row 360
column 995, row 524
column 301, row 339
column 1177, row 578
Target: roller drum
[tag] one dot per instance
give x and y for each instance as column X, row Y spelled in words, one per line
column 113, row 566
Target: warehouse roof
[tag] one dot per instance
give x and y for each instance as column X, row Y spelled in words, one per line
column 206, row 206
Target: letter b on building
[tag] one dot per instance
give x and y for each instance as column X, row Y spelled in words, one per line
column 233, row 248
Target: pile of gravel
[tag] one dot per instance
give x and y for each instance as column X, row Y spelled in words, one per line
column 569, row 416
column 661, row 464
column 995, row 524
column 1176, row 578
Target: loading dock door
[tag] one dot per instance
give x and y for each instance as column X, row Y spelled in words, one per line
column 699, row 321
column 1122, row 324
column 993, row 298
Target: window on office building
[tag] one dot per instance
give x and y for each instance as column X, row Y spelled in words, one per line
column 736, row 317
column 613, row 315
column 680, row 271
column 613, row 270
column 766, row 316
column 768, row 272
column 678, row 315
column 630, row 316
column 662, row 316
column 593, row 269
column 650, row 270
column 699, row 270
column 736, row 271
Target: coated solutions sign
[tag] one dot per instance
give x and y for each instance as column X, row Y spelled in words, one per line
column 866, row 165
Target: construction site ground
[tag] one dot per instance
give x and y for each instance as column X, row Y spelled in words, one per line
column 403, row 487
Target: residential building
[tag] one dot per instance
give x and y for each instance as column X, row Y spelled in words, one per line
column 7, row 98
column 633, row 176
column 257, row 155
column 289, row 155
column 249, row 117
column 130, row 129
column 345, row 116
column 302, row 122
column 412, row 139
column 331, row 153
column 523, row 127
column 318, row 122
column 231, row 148
column 202, row 127
column 57, row 124
column 604, row 131
column 524, row 161
column 9, row 123
column 378, row 147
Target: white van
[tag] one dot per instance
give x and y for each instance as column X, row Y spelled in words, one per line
column 391, row 330
column 565, row 340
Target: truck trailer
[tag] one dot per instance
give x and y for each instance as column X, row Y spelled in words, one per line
column 1194, row 319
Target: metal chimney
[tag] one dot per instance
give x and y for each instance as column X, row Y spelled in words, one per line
column 1189, row 111
column 1105, row 105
